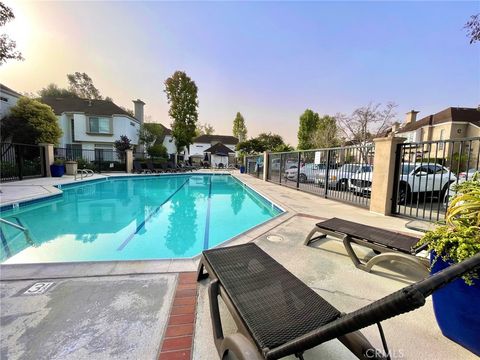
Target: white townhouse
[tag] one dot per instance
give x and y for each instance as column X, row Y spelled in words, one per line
column 8, row 98
column 94, row 124
column 215, row 149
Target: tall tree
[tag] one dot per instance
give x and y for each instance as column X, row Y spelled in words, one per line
column 205, row 129
column 308, row 124
column 239, row 128
column 30, row 122
column 473, row 28
column 53, row 90
column 326, row 133
column 82, row 85
column 7, row 45
column 182, row 97
column 367, row 123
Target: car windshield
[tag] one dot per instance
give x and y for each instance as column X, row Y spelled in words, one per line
column 407, row 168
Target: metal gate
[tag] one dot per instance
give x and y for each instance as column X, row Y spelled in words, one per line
column 341, row 173
column 426, row 174
column 20, row 161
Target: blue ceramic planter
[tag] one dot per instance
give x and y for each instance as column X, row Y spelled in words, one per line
column 57, row 170
column 457, row 310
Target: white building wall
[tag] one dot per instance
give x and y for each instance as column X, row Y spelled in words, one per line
column 169, row 143
column 198, row 148
column 6, row 104
column 121, row 125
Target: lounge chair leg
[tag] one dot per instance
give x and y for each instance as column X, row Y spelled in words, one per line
column 213, row 293
column 409, row 259
column 239, row 345
column 310, row 237
column 356, row 261
column 200, row 274
column 358, row 344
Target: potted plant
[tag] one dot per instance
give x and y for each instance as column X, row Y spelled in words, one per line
column 57, row 169
column 456, row 305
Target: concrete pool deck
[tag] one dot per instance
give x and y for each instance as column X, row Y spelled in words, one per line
column 328, row 270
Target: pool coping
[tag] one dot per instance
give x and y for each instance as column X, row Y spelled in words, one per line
column 58, row 270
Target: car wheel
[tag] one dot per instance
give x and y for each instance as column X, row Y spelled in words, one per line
column 404, row 194
column 302, row 178
column 445, row 196
column 342, row 185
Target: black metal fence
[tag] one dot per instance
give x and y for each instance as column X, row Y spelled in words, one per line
column 426, row 173
column 20, row 161
column 97, row 160
column 342, row 173
column 254, row 165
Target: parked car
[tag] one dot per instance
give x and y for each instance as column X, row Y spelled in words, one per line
column 339, row 178
column 289, row 164
column 463, row 176
column 423, row 179
column 307, row 172
column 361, row 183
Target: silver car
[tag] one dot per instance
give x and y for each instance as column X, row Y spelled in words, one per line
column 339, row 178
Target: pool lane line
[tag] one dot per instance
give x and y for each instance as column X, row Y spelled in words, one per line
column 207, row 220
column 154, row 212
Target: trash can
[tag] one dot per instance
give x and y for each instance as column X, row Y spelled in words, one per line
column 242, row 169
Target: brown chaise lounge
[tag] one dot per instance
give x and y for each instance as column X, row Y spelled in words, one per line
column 388, row 245
column 278, row 315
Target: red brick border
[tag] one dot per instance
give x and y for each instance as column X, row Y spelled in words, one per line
column 178, row 340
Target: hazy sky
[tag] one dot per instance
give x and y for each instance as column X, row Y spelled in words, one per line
column 269, row 60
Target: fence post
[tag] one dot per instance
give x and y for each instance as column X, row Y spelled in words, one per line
column 298, row 169
column 129, row 161
column 48, row 158
column 265, row 166
column 383, row 176
column 327, row 173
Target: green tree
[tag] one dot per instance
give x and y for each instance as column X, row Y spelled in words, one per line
column 7, row 45
column 31, row 122
column 182, row 97
column 157, row 151
column 150, row 134
column 205, row 129
column 239, row 128
column 326, row 133
column 82, row 85
column 53, row 90
column 263, row 142
column 308, row 124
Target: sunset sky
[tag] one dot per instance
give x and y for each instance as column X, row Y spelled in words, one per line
column 269, row 60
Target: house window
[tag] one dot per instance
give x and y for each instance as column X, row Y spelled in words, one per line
column 3, row 99
column 100, row 125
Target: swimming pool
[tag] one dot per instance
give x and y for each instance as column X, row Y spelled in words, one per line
column 132, row 218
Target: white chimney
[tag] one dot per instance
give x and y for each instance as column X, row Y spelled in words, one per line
column 138, row 110
column 411, row 117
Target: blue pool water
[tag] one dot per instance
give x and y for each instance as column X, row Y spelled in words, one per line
column 133, row 218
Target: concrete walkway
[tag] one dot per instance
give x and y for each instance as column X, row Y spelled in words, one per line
column 117, row 317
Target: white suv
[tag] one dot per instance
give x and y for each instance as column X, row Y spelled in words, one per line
column 423, row 178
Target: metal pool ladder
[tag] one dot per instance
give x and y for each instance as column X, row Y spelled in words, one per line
column 13, row 224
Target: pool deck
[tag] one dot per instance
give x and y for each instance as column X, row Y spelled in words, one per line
column 327, row 270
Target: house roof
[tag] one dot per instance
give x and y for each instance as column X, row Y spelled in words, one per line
column 219, row 148
column 225, row 139
column 6, row 89
column 74, row 104
column 454, row 114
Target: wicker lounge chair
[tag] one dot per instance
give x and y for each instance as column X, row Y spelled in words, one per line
column 388, row 245
column 278, row 315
